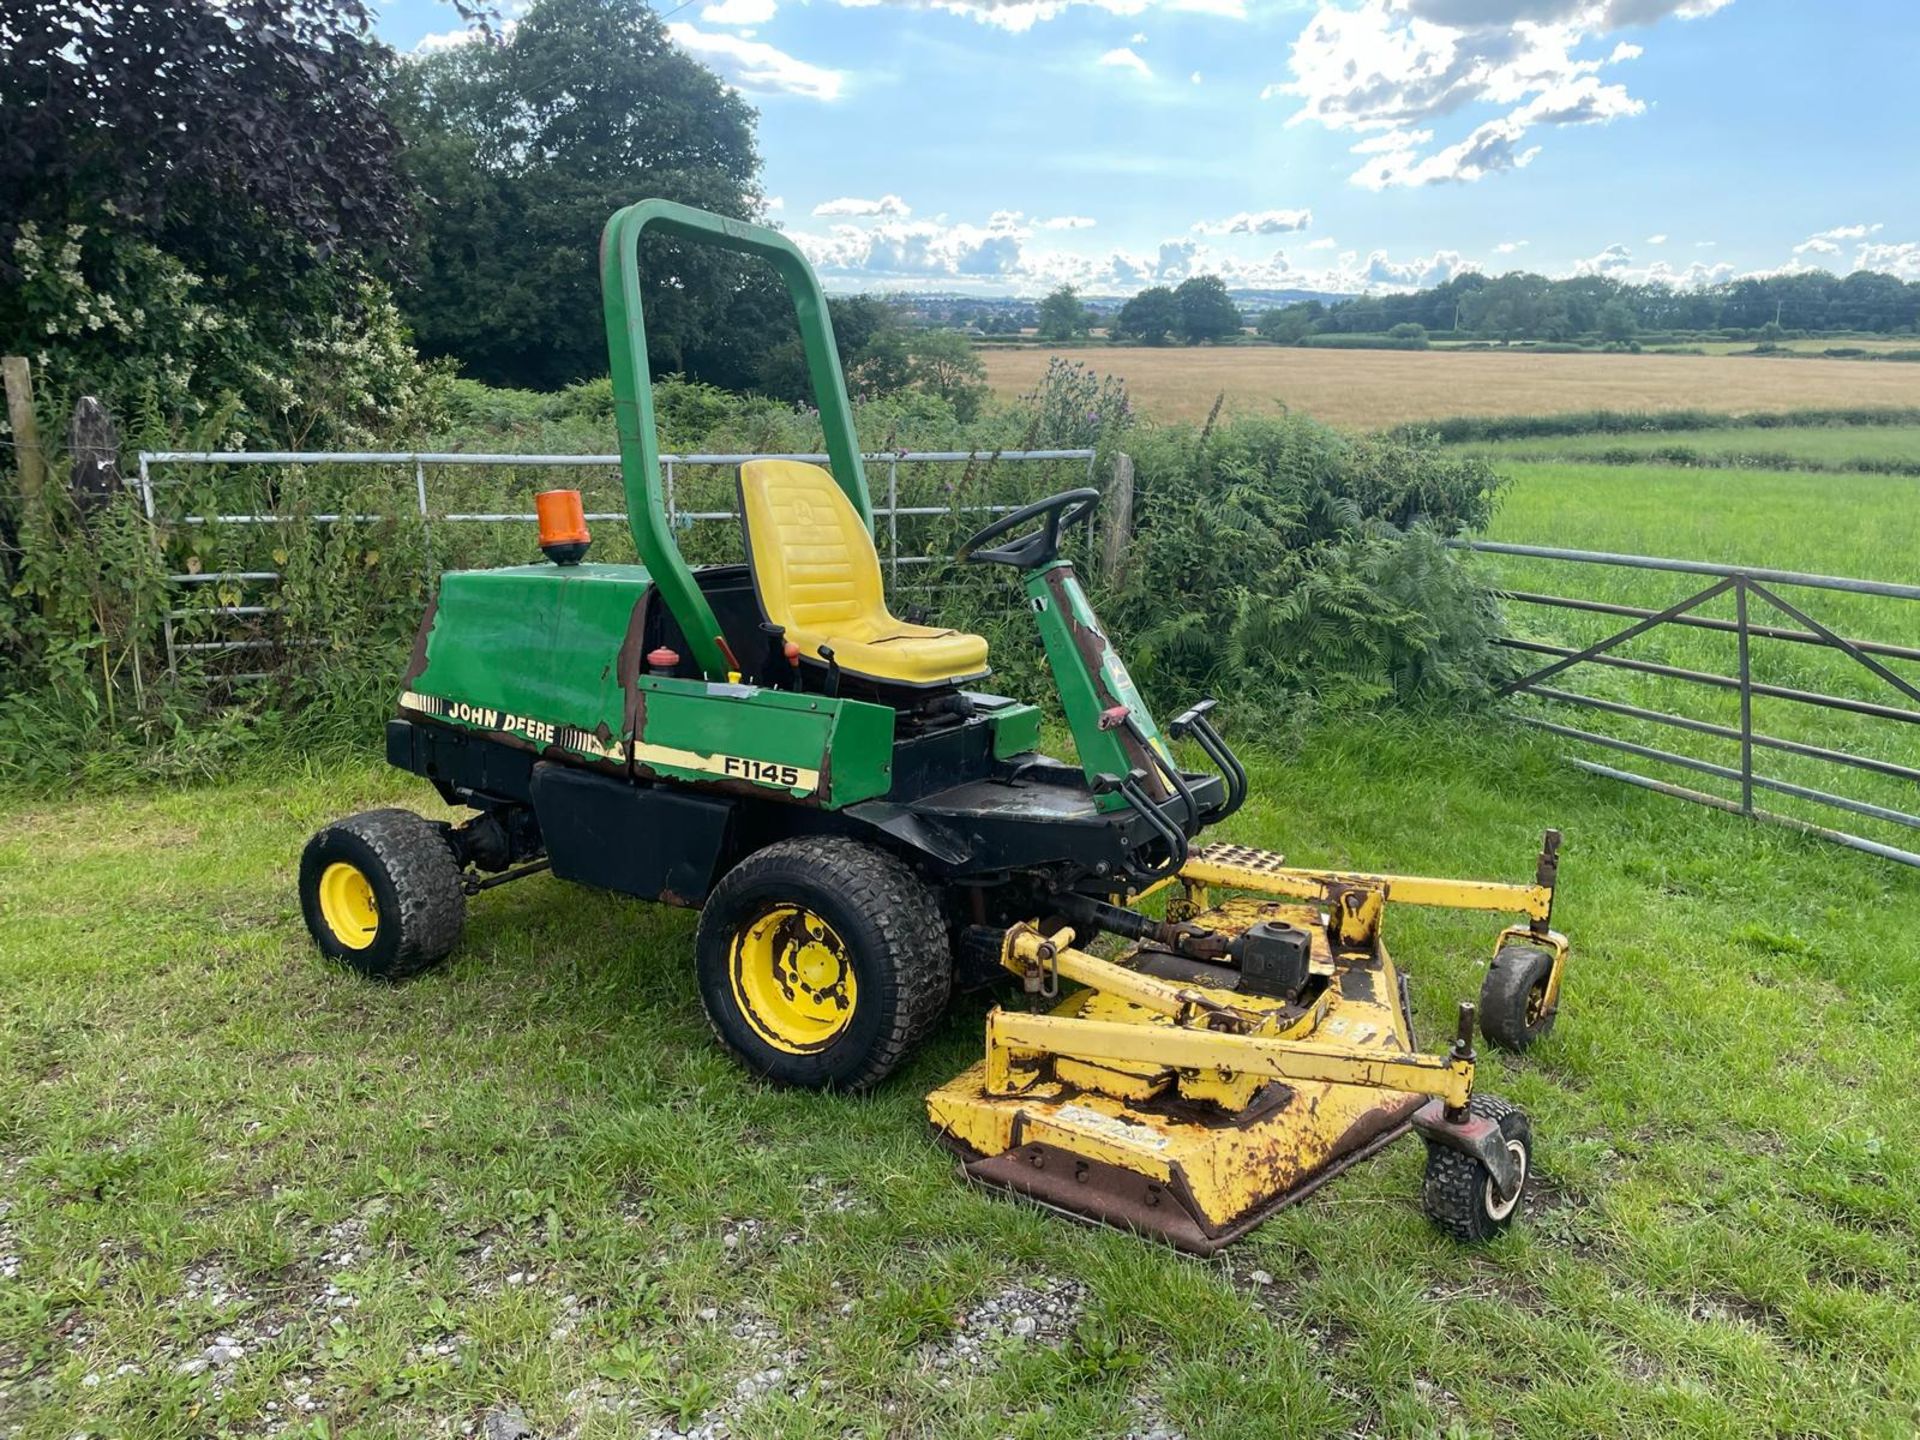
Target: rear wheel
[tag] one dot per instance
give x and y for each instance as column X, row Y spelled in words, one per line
column 1513, row 997
column 822, row 961
column 381, row 893
column 1459, row 1194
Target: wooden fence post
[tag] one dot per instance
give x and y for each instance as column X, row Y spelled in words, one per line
column 1119, row 529
column 28, row 458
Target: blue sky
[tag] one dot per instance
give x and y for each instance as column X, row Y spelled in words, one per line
column 1003, row 146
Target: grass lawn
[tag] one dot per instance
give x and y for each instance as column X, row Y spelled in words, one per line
column 244, row 1193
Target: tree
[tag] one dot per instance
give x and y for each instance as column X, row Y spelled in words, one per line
column 195, row 198
column 519, row 151
column 1207, row 312
column 1618, row 323
column 942, row 363
column 1151, row 317
column 1290, row 324
column 1062, row 316
column 872, row 347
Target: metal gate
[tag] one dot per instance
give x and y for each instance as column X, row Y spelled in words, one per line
column 1751, row 589
column 257, row 604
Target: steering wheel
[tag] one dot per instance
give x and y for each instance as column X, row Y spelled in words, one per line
column 1042, row 547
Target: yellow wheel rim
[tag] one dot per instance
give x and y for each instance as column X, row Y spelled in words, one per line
column 348, row 906
column 793, row 979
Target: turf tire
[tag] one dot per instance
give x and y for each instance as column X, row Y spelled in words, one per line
column 416, row 888
column 1512, row 998
column 1457, row 1193
column 891, row 922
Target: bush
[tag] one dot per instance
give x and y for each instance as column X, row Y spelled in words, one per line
column 1275, row 560
column 1365, row 342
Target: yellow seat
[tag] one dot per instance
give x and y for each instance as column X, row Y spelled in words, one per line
column 818, row 575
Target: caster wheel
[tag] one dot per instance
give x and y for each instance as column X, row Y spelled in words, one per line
column 1459, row 1195
column 1513, row 998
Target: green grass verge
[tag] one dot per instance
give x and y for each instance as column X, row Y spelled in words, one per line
column 532, row 1178
column 1891, row 449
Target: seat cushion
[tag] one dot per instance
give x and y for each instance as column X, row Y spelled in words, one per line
column 818, row 575
column 907, row 654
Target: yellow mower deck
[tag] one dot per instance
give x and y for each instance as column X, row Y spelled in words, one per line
column 1165, row 1099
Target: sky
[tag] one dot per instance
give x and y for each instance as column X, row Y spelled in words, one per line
column 1002, row 147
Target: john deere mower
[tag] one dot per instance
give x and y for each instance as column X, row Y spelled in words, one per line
column 863, row 827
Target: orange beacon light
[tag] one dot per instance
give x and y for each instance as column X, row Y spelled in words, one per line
column 563, row 526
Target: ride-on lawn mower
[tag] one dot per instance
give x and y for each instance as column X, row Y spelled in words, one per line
column 861, row 827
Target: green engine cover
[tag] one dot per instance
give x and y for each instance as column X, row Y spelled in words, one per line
column 548, row 658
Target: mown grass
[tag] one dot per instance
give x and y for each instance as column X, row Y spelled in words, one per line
column 532, row 1179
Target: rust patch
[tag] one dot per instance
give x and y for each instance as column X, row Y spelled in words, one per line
column 417, row 661
column 627, row 664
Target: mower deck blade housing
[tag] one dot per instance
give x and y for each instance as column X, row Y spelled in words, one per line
column 1193, row 1157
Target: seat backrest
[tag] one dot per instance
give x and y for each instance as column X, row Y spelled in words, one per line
column 813, row 561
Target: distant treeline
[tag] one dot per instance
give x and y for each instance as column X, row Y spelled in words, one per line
column 1523, row 306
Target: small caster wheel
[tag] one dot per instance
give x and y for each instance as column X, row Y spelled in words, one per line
column 1513, row 997
column 381, row 893
column 1459, row 1194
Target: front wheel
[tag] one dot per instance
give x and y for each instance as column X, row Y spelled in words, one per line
column 822, row 961
column 1459, row 1194
column 381, row 893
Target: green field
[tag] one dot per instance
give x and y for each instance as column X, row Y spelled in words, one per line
column 1815, row 447
column 1839, row 523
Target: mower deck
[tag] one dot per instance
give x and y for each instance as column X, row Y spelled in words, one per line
column 1192, row 1155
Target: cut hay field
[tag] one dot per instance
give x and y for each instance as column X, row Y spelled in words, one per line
column 1370, row 389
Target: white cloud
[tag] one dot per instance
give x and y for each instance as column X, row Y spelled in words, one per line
column 1325, row 242
column 1827, row 242
column 1195, row 77
column 757, row 66
column 1383, row 68
column 1124, row 59
column 1435, row 269
column 1902, row 260
column 739, row 12
column 1256, row 222
column 1610, row 261
column 453, row 39
column 443, row 40
column 1019, row 16
column 1623, row 52
column 887, row 206
column 1656, row 239
column 1487, row 151
column 1509, row 247
column 775, row 204
column 1065, row 222
column 1139, row 38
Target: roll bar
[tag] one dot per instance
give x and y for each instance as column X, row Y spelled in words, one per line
column 633, row 393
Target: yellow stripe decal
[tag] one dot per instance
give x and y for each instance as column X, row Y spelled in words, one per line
column 771, row 773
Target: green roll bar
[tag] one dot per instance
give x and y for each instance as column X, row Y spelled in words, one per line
column 633, row 392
